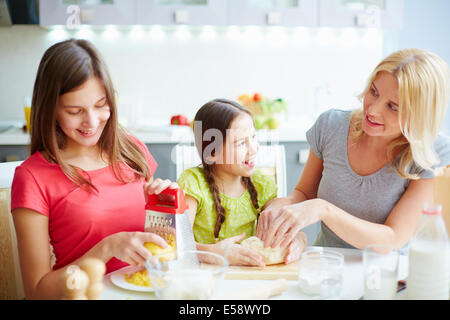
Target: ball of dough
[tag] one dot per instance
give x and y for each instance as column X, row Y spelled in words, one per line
column 270, row 255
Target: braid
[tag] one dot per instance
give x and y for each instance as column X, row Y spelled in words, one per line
column 220, row 210
column 252, row 190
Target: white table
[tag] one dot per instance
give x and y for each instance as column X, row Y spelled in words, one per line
column 353, row 285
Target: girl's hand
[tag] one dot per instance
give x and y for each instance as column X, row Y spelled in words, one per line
column 157, row 186
column 129, row 246
column 284, row 225
column 296, row 248
column 236, row 254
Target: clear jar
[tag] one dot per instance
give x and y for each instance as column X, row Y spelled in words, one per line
column 321, row 273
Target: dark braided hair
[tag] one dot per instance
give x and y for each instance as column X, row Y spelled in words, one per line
column 218, row 114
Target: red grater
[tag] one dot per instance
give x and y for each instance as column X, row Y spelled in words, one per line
column 167, row 215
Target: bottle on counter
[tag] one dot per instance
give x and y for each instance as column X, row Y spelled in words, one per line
column 429, row 257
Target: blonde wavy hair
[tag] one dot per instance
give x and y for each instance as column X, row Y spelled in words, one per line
column 423, row 82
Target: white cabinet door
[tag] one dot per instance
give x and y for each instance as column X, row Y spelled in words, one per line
column 188, row 12
column 94, row 12
column 386, row 14
column 289, row 13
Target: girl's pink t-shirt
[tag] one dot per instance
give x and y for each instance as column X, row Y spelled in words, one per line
column 78, row 218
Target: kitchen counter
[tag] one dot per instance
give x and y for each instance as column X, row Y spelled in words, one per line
column 171, row 134
column 353, row 283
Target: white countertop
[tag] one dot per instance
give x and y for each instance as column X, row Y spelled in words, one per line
column 353, row 283
column 171, row 134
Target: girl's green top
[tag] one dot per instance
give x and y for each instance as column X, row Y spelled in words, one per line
column 240, row 214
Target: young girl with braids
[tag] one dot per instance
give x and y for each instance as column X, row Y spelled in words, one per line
column 226, row 194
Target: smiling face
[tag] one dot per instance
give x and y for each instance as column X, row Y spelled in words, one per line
column 83, row 113
column 381, row 107
column 237, row 157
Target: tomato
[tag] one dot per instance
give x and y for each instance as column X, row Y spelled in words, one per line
column 179, row 120
column 257, row 97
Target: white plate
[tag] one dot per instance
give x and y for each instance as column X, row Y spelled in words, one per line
column 118, row 278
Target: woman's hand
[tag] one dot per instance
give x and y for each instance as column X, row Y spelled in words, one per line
column 236, row 254
column 157, row 186
column 268, row 213
column 129, row 246
column 283, row 225
column 296, row 248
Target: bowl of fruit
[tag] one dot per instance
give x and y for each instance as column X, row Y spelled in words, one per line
column 266, row 112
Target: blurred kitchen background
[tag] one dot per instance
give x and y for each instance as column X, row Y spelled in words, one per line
column 168, row 57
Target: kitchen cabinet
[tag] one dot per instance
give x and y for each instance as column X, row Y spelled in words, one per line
column 288, row 13
column 385, row 14
column 93, row 12
column 13, row 153
column 188, row 12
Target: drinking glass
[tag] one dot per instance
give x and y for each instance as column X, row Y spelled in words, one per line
column 380, row 272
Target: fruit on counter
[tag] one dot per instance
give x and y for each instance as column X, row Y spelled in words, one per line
column 245, row 99
column 273, row 123
column 164, row 254
column 264, row 122
column 257, row 97
column 180, row 120
column 260, row 121
column 264, row 110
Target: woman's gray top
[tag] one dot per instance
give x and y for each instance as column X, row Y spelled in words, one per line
column 369, row 197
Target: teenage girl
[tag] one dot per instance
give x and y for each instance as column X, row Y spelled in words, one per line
column 83, row 189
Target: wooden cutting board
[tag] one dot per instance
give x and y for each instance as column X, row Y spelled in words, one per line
column 276, row 271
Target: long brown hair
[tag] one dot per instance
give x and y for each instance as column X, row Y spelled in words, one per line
column 218, row 114
column 65, row 66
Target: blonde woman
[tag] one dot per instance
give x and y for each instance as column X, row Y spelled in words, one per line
column 368, row 172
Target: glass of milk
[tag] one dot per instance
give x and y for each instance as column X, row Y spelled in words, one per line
column 380, row 272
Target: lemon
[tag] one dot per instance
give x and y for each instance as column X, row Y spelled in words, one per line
column 164, row 254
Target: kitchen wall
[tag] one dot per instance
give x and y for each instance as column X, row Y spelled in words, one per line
column 426, row 26
column 163, row 71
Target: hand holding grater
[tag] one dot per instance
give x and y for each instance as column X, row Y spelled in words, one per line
column 167, row 215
